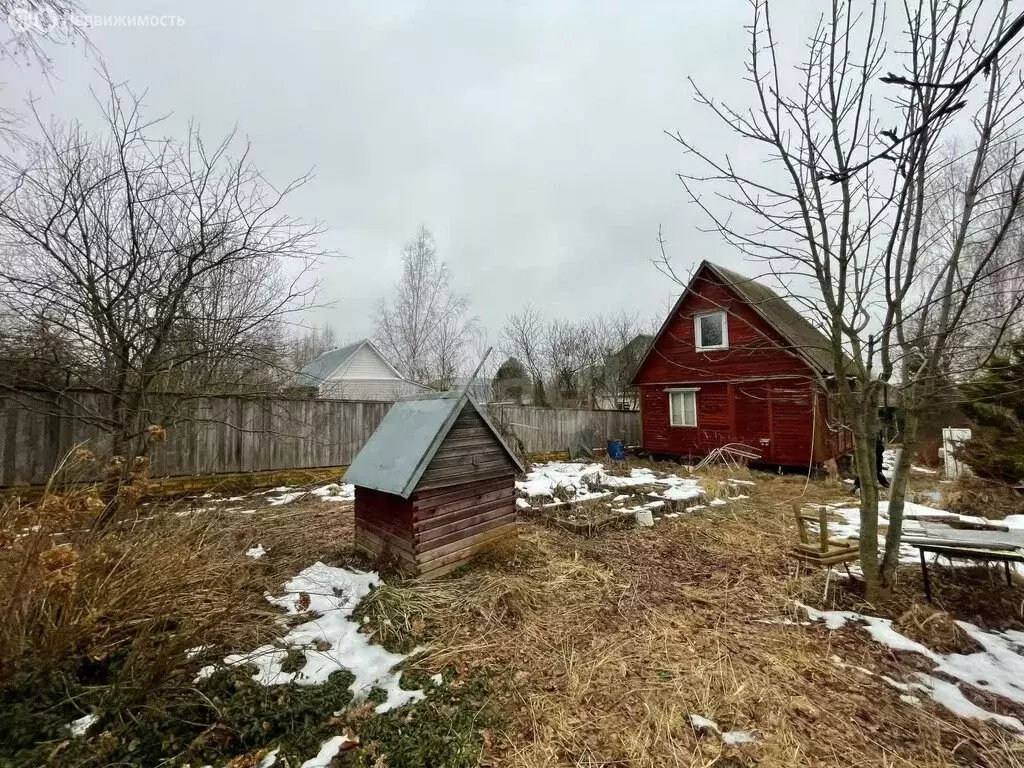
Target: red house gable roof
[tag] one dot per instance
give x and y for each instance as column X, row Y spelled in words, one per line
column 790, row 331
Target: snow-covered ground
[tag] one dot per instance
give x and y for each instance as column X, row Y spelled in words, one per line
column 889, row 458
column 849, row 527
column 644, row 493
column 275, row 497
column 703, row 724
column 329, row 492
column 331, row 641
column 998, row 669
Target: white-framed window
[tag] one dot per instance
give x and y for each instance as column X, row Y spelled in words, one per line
column 711, row 331
column 682, row 407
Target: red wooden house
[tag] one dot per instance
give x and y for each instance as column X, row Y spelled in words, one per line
column 735, row 363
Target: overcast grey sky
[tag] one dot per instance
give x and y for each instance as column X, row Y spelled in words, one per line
column 527, row 135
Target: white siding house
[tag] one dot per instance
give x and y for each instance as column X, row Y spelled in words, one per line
column 356, row 372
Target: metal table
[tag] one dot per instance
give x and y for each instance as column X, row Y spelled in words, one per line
column 1006, row 556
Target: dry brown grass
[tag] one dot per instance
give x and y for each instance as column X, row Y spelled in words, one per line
column 936, row 629
column 972, row 495
column 598, row 648
column 603, row 647
column 150, row 585
column 148, row 589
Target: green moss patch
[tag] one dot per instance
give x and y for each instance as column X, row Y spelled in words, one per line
column 225, row 715
column 449, row 728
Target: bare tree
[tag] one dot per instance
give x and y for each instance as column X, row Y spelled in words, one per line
column 573, row 357
column 622, row 339
column 583, row 363
column 28, row 28
column 148, row 265
column 426, row 328
column 523, row 338
column 310, row 345
column 837, row 212
column 33, row 25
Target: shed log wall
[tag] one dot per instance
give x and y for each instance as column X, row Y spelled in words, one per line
column 463, row 501
column 434, row 531
column 469, row 452
column 452, row 524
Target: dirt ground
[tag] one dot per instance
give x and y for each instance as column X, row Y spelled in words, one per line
column 567, row 649
column 599, row 648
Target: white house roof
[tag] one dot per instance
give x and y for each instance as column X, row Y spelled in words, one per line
column 321, row 369
column 397, row 454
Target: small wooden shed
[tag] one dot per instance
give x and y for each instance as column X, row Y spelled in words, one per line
column 434, row 483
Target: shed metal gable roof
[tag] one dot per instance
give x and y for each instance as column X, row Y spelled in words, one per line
column 804, row 340
column 398, row 453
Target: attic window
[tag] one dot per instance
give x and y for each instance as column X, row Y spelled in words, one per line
column 711, row 331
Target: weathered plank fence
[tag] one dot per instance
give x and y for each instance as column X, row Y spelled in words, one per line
column 220, row 434
column 552, row 429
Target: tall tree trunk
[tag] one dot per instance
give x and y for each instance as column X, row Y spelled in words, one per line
column 897, row 497
column 864, row 461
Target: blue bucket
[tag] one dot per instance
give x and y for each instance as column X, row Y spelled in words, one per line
column 617, row 450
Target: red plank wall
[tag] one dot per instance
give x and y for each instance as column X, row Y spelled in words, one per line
column 754, row 391
column 755, row 350
column 778, row 412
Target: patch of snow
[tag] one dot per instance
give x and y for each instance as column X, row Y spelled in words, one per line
column 578, row 482
column 703, row 724
column 849, row 528
column 286, row 498
column 889, row 458
column 570, row 477
column 437, row 679
column 333, row 595
column 637, row 477
column 269, row 759
column 737, row 738
column 624, row 496
column 644, row 518
column 81, row 725
column 908, row 699
column 680, row 492
column 328, row 751
column 717, row 503
column 522, row 503
column 949, row 696
column 335, row 492
column 923, row 470
column 256, row 552
column 1013, row 521
column 997, row 669
column 734, row 481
